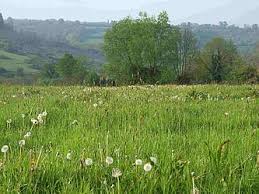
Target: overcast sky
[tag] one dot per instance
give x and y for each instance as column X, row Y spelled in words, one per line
column 102, row 10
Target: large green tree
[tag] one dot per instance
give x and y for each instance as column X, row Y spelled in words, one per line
column 218, row 59
column 142, row 49
column 72, row 70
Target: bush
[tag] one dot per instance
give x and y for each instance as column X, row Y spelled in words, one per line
column 246, row 74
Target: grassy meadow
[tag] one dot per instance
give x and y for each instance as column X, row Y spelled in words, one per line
column 11, row 62
column 136, row 139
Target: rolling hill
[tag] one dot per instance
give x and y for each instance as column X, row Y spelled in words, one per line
column 28, row 49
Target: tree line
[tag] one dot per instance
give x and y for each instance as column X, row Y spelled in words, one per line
column 149, row 50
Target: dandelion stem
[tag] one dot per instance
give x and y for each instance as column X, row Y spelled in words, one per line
column 5, row 157
column 118, row 185
column 37, row 163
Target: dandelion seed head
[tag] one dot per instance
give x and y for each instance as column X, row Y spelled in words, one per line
column 39, row 117
column 27, row 135
column 109, row 160
column 116, row 172
column 69, row 156
column 22, row 143
column 9, row 121
column 34, row 121
column 88, row 162
column 153, row 159
column 138, row 162
column 5, row 149
column 40, row 120
column 44, row 114
column 148, row 167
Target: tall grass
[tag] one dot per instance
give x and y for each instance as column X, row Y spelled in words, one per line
column 205, row 139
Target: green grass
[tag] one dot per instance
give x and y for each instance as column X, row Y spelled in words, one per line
column 11, row 62
column 205, row 138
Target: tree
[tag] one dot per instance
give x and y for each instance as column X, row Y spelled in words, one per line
column 70, row 69
column 219, row 57
column 48, row 71
column 3, row 71
column 246, row 74
column 223, row 24
column 255, row 27
column 216, row 69
column 66, row 66
column 1, row 20
column 138, row 50
column 254, row 57
column 187, row 52
column 20, row 72
column 61, row 21
column 10, row 22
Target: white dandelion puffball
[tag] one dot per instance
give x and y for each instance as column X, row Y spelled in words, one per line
column 116, row 172
column 9, row 121
column 147, row 167
column 138, row 162
column 5, row 149
column 22, row 143
column 88, row 162
column 39, row 116
column 109, row 160
column 95, row 105
column 44, row 113
column 27, row 135
column 69, row 156
column 23, row 116
column 40, row 120
column 34, row 121
column 153, row 159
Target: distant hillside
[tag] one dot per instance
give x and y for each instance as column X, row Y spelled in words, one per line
column 244, row 38
column 35, row 38
column 29, row 49
column 79, row 34
column 90, row 35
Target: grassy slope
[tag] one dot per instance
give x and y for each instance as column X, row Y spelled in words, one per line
column 11, row 62
column 130, row 123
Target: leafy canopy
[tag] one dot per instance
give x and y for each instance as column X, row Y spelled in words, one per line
column 139, row 49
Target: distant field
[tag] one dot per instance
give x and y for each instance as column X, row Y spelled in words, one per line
column 11, row 62
column 162, row 139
